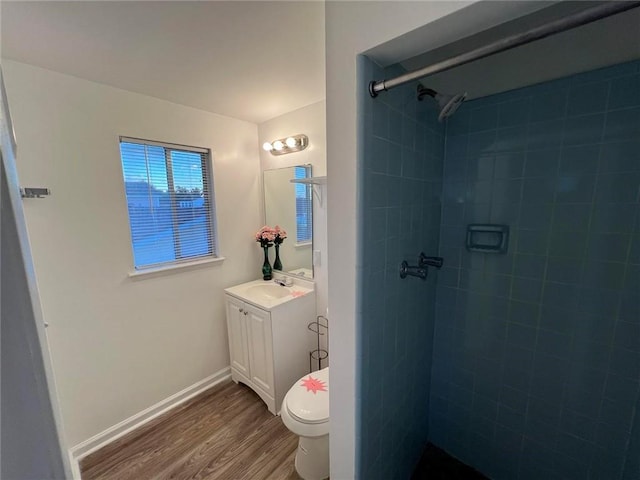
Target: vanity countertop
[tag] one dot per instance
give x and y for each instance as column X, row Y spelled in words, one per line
column 267, row 295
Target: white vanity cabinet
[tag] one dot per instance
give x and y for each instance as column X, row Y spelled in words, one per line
column 269, row 342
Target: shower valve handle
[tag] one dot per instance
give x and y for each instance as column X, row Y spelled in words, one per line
column 424, row 261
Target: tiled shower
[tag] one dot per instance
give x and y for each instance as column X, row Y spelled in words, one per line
column 524, row 365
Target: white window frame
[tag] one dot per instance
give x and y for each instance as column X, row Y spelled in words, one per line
column 188, row 262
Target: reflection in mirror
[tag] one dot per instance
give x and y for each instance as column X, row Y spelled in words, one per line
column 289, row 205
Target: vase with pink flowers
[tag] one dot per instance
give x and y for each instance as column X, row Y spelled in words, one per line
column 266, row 236
column 281, row 234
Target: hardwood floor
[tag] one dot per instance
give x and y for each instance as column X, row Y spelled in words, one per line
column 225, row 433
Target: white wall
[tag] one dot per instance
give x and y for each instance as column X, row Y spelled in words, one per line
column 352, row 28
column 310, row 120
column 119, row 346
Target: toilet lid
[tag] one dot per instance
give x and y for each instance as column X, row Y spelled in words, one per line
column 308, row 399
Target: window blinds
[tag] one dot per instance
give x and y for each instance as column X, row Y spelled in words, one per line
column 303, row 206
column 170, row 200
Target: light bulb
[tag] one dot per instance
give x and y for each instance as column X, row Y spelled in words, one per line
column 291, row 142
column 278, row 145
column 267, row 146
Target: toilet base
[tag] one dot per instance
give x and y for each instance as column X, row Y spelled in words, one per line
column 312, row 458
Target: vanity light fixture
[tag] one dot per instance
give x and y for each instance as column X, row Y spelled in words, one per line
column 282, row 146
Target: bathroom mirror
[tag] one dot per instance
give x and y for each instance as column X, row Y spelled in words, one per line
column 289, row 205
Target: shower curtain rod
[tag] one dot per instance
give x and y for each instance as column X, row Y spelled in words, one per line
column 566, row 23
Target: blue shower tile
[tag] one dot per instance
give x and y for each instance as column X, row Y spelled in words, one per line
column 516, row 377
column 575, row 189
column 577, row 424
column 455, row 169
column 379, row 156
column 560, row 296
column 617, row 414
column 575, row 447
column 526, row 289
column 380, row 119
column 480, row 168
column 614, row 218
column 622, row 388
column 484, row 118
column 513, row 112
column 618, row 188
column 542, row 163
column 605, row 73
column 584, row 129
column 458, row 124
column 591, row 341
column 599, row 274
column 627, row 335
column 579, row 160
column 539, row 190
column 622, row 125
column 540, row 431
column 532, row 242
column 625, row 92
column 588, row 98
column 504, row 213
column 508, row 165
column 564, row 270
column 625, row 362
column 554, row 343
column 620, row 156
column 479, row 192
column 629, row 307
column 548, row 106
column 571, row 217
column 632, row 279
column 506, row 191
column 481, row 143
column 535, row 216
column 532, row 266
column 521, row 336
column 511, row 139
column 408, row 132
column 595, row 302
column 567, row 244
column 545, row 134
column 395, row 126
column 524, row 313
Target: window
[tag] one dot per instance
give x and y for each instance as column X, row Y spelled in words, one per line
column 303, row 206
column 170, row 199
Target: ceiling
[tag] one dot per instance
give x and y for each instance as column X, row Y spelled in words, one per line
column 249, row 60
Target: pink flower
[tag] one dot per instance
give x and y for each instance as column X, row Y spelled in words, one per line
column 281, row 234
column 265, row 236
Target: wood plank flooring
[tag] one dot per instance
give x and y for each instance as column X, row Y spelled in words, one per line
column 225, row 433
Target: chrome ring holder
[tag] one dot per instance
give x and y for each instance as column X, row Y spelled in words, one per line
column 319, row 354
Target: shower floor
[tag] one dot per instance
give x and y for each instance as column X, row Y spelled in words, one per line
column 436, row 464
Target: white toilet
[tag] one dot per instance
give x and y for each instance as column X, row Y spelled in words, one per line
column 305, row 411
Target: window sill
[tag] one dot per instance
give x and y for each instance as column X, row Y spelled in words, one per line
column 169, row 269
column 302, row 245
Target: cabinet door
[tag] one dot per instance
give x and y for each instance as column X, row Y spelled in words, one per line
column 237, row 328
column 260, row 349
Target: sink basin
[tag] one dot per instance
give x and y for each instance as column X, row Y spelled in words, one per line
column 268, row 292
column 268, row 295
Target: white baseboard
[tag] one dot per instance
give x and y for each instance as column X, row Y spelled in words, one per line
column 98, row 441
